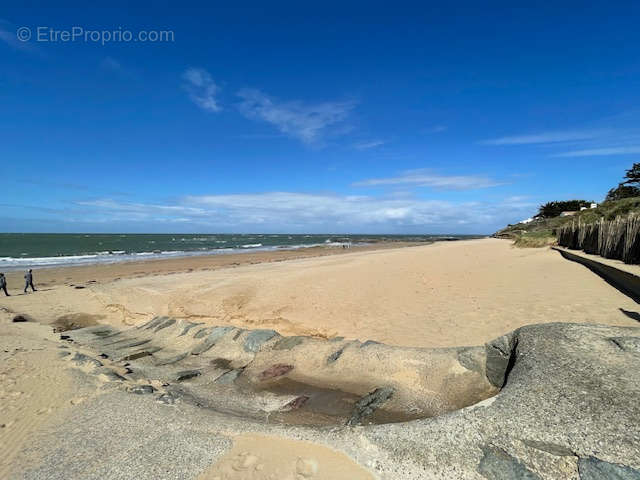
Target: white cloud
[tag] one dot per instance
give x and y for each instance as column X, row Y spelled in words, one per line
column 591, row 152
column 544, row 137
column 304, row 121
column 201, row 88
column 423, row 178
column 305, row 212
column 368, row 145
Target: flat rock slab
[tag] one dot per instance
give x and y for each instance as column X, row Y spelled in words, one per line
column 568, row 409
column 256, row 338
column 593, row 469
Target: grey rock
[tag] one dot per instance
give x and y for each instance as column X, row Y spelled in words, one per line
column 367, row 405
column 471, row 359
column 82, row 359
column 168, row 398
column 229, row 377
column 237, row 334
column 256, row 338
column 135, row 343
column 628, row 344
column 570, row 392
column 165, row 324
column 154, row 323
column 591, row 468
column 287, row 343
column 188, row 327
column 187, row 375
column 496, row 464
column 216, row 334
column 550, row 448
column 142, row 389
column 136, row 355
column 103, row 333
column 146, row 324
column 501, row 355
column 202, row 333
column 335, row 356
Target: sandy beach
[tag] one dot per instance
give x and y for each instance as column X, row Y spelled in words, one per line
column 439, row 295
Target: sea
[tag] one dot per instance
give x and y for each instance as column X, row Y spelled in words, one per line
column 30, row 250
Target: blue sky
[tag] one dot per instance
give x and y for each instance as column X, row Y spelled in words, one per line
column 341, row 117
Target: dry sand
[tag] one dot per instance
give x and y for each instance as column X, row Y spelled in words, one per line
column 444, row 294
column 260, row 457
column 34, row 385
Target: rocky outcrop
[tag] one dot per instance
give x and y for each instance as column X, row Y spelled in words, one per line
column 552, row 401
column 253, row 372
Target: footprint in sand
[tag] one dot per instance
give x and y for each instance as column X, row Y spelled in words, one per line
column 258, row 457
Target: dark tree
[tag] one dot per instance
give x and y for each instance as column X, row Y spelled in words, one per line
column 622, row 191
column 553, row 209
column 632, row 175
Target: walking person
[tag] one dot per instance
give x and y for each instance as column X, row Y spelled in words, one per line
column 28, row 281
column 3, row 284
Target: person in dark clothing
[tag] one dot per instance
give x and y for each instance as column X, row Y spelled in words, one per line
column 28, row 281
column 3, row 284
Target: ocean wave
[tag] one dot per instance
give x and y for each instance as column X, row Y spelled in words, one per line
column 111, row 252
column 18, row 260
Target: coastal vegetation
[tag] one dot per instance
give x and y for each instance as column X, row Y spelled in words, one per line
column 573, row 222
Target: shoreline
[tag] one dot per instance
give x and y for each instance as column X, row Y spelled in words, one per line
column 438, row 295
column 41, row 250
column 47, row 276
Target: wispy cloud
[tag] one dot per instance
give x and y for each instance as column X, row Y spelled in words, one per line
column 424, row 178
column 8, row 35
column 435, row 129
column 592, row 152
column 619, row 137
column 304, row 121
column 143, row 211
column 110, row 64
column 307, row 212
column 368, row 145
column 202, row 89
column 545, row 137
